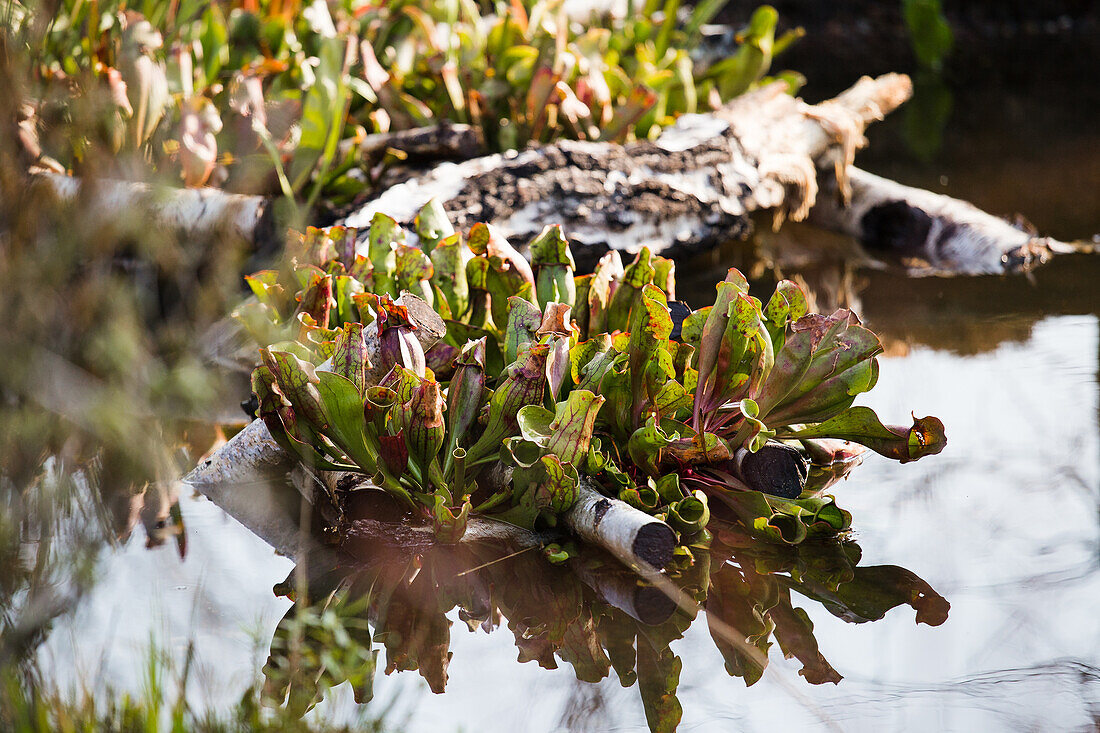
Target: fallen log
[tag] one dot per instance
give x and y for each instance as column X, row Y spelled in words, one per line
column 776, row 469
column 194, row 213
column 696, row 186
column 692, row 188
column 632, row 536
column 930, row 233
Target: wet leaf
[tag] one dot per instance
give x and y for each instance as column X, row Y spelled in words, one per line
column 786, row 521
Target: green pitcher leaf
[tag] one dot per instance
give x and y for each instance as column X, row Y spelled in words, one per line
column 524, row 319
column 349, row 358
column 344, row 290
column 449, row 525
column 449, row 258
column 586, row 360
column 787, row 305
column 413, row 272
column 465, row 395
column 297, row 381
column 646, row 444
column 648, row 358
column 861, row 425
column 608, row 272
column 525, row 384
column 268, row 290
column 636, row 275
column 825, row 362
column 690, row 514
column 383, row 238
column 317, row 300
column 570, row 432
column 553, row 266
column 432, row 225
column 343, row 406
column 508, row 272
column 422, row 421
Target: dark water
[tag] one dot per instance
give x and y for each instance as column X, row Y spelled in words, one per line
column 1005, row 525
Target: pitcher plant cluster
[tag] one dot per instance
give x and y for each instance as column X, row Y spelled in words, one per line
column 544, row 378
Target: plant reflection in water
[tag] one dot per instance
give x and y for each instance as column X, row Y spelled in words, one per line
column 389, row 602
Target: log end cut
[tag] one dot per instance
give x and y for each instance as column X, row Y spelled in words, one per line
column 776, row 469
column 654, row 544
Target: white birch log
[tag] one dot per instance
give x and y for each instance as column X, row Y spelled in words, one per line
column 632, row 536
column 199, row 213
column 930, row 233
column 692, row 189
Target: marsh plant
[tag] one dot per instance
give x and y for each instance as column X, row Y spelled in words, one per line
column 554, row 377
